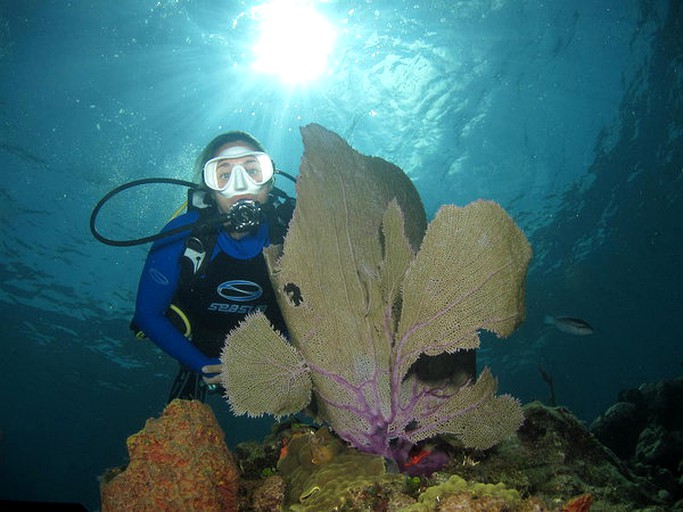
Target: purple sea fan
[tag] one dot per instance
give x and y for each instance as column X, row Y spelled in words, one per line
column 362, row 304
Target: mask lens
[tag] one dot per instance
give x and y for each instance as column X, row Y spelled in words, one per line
column 254, row 166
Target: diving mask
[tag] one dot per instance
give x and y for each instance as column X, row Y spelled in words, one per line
column 238, row 170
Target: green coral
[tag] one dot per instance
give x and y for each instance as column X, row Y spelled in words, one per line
column 429, row 499
column 321, row 472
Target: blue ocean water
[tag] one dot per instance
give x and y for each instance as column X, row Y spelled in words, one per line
column 566, row 113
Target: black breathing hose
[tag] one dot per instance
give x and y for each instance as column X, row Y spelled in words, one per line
column 143, row 240
column 211, row 221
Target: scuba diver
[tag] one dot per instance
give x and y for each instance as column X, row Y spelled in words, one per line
column 198, row 284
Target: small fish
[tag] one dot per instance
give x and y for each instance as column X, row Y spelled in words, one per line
column 424, row 461
column 414, row 460
column 570, row 325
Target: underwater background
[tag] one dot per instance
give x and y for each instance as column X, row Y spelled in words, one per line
column 567, row 113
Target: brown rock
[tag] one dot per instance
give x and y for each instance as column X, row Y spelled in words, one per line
column 177, row 462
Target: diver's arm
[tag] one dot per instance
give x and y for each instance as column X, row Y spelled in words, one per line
column 157, row 287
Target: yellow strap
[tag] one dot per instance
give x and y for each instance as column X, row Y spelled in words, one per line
column 178, row 211
column 186, row 323
column 183, row 317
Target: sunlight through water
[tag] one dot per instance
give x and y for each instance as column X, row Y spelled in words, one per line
column 294, row 42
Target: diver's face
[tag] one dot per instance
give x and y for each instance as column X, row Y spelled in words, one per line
column 225, row 203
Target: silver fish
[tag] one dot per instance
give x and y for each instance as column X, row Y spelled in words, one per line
column 570, row 325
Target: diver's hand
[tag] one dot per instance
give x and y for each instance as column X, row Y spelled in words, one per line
column 212, row 369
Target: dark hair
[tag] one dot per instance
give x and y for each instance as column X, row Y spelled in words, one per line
column 210, row 149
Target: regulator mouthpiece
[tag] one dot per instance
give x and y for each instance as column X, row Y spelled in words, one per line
column 244, row 216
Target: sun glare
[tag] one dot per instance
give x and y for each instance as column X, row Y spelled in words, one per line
column 295, row 40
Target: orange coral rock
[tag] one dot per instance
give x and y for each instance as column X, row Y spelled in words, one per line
column 578, row 504
column 177, row 462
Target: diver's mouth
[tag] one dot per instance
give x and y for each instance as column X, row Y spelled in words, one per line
column 239, row 197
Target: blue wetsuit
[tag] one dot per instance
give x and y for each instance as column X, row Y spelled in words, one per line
column 234, row 283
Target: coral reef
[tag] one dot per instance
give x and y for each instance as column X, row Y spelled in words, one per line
column 270, row 495
column 554, row 456
column 319, row 470
column 366, row 292
column 322, row 473
column 552, row 464
column 457, row 494
column 645, row 429
column 178, row 461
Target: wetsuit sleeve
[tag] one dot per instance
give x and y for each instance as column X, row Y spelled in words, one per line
column 156, row 289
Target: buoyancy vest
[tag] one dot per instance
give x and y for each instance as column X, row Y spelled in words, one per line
column 216, row 293
column 222, row 295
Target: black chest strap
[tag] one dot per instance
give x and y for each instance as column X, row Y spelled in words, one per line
column 199, row 247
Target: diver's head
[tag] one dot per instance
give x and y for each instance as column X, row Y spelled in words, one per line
column 236, row 169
